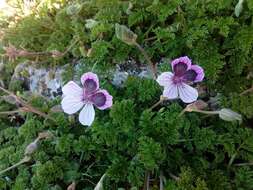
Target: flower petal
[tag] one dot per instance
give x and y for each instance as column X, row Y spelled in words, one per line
column 90, row 82
column 87, row 115
column 165, row 79
column 71, row 104
column 102, row 99
column 181, row 65
column 200, row 73
column 72, row 89
column 187, row 93
column 190, row 75
column 171, row 92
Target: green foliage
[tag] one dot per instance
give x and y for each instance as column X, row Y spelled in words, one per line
column 243, row 104
column 243, row 178
column 136, row 89
column 126, row 143
column 150, row 153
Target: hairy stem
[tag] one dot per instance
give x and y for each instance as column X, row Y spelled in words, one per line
column 26, row 107
column 244, row 164
column 161, row 180
column 70, row 47
column 247, row 91
column 162, row 99
column 10, row 112
column 199, row 111
column 234, row 156
column 156, row 104
column 151, row 64
column 24, row 160
column 207, row 112
column 182, row 113
column 174, row 177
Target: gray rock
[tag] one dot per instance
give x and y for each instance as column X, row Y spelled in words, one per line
column 48, row 82
column 40, row 80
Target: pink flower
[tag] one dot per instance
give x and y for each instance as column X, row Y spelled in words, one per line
column 176, row 84
column 75, row 98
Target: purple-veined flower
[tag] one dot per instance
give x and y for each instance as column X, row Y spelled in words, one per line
column 75, row 98
column 176, row 84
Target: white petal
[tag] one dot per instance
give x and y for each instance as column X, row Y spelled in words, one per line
column 165, row 79
column 72, row 89
column 187, row 93
column 87, row 115
column 170, row 92
column 71, row 104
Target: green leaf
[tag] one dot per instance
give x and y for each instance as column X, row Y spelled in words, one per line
column 125, row 34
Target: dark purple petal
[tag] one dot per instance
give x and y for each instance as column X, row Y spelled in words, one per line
column 180, row 65
column 200, row 73
column 180, row 68
column 90, row 85
column 90, row 82
column 190, row 75
column 98, row 99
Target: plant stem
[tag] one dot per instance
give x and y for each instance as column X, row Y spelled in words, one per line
column 147, row 179
column 199, row 111
column 184, row 140
column 24, row 160
column 162, row 99
column 247, row 91
column 9, row 112
column 70, row 46
column 151, row 38
column 94, row 66
column 161, row 180
column 182, row 113
column 232, row 160
column 156, row 104
column 234, row 156
column 207, row 112
column 26, row 107
column 244, row 164
column 174, row 177
column 151, row 64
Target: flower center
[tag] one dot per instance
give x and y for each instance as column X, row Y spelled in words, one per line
column 177, row 79
column 87, row 95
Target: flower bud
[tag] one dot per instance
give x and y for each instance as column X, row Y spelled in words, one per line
column 31, row 148
column 238, row 8
column 45, row 135
column 197, row 105
column 9, row 99
column 90, row 23
column 99, row 185
column 73, row 9
column 229, row 115
column 72, row 186
column 125, row 34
